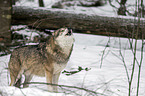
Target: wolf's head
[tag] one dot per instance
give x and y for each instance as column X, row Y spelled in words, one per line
column 64, row 37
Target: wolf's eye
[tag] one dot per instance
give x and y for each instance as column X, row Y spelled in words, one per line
column 62, row 30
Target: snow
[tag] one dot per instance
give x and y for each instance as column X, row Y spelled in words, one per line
column 110, row 79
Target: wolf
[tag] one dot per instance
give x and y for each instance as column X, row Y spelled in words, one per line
column 46, row 59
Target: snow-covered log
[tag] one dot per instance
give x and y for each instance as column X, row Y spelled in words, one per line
column 85, row 3
column 80, row 22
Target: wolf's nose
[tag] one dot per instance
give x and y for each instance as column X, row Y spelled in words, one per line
column 69, row 30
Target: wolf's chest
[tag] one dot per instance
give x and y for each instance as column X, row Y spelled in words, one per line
column 58, row 68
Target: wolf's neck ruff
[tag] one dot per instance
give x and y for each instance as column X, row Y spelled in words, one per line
column 59, row 46
column 58, row 54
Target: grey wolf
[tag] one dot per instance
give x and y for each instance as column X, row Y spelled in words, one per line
column 45, row 59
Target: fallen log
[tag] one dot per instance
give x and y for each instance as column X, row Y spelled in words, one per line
column 80, row 22
column 85, row 3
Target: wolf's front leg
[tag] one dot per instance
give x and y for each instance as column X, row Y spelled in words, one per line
column 13, row 79
column 55, row 79
column 49, row 80
column 28, row 78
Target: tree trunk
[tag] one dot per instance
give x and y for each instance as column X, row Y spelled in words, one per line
column 80, row 22
column 122, row 9
column 41, row 3
column 142, row 9
column 5, row 21
column 85, row 3
column 13, row 2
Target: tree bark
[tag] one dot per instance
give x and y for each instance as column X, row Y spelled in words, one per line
column 5, row 21
column 85, row 3
column 80, row 22
column 41, row 3
column 122, row 9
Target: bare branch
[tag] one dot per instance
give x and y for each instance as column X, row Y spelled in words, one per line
column 87, row 90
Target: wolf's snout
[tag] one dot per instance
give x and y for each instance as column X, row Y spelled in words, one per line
column 69, row 31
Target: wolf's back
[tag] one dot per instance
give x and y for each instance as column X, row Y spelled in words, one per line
column 29, row 59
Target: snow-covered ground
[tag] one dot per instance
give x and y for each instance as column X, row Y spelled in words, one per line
column 110, row 79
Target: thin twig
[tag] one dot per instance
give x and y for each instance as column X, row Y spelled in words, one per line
column 134, row 59
column 133, row 50
column 139, row 71
column 104, row 52
column 110, row 2
column 123, row 60
column 87, row 90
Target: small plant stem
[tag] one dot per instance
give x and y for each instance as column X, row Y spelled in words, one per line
column 139, row 70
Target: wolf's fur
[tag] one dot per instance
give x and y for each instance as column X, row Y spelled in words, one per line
column 46, row 59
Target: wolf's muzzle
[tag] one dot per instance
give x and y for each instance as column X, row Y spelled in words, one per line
column 69, row 32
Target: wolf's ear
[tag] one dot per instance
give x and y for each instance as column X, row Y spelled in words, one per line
column 55, row 33
column 52, row 33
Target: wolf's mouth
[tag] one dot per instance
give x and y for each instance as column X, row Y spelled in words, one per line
column 69, row 32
